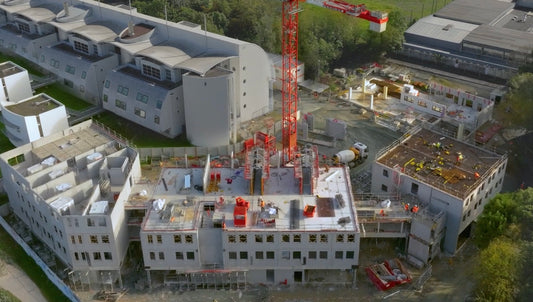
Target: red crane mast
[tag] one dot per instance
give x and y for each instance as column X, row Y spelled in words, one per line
column 289, row 52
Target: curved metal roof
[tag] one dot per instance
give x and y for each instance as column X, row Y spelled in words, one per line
column 96, row 32
column 167, row 55
column 38, row 14
column 201, row 65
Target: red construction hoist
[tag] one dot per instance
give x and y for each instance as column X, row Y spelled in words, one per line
column 289, row 52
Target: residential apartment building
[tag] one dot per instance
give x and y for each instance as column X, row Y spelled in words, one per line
column 440, row 174
column 144, row 69
column 15, row 84
column 69, row 188
column 33, row 118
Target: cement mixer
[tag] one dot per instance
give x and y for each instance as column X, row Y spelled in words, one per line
column 353, row 156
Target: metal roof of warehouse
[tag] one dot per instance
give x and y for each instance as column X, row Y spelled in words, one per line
column 501, row 38
column 474, row 11
column 441, row 29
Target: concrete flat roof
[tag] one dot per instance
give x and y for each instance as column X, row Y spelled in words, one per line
column 9, row 68
column 34, row 106
column 419, row 157
column 474, row 11
column 185, row 208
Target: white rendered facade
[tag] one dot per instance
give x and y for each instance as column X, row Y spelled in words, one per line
column 33, row 118
column 192, row 232
column 415, row 166
column 15, row 84
column 69, row 188
column 85, row 42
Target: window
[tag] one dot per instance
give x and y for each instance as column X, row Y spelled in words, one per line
column 414, row 188
column 105, row 238
column 151, row 71
column 159, row 104
column 123, row 90
column 24, row 27
column 190, row 255
column 81, row 47
column 243, row 238
column 120, row 104
column 159, row 239
column 350, row 254
column 107, row 256
column 139, row 112
column 168, row 74
column 70, row 69
column 243, row 255
column 338, row 254
column 312, row 255
column 323, row 254
column 351, row 238
column 385, row 173
column 68, row 83
column 105, row 98
column 270, row 255
column 150, row 239
column 83, row 74
column 324, row 238
column 43, row 58
column 76, row 256
column 143, row 98
column 80, row 241
column 270, row 238
column 340, row 237
column 297, row 238
column 73, row 239
column 94, row 239
column 97, row 256
column 285, row 238
column 152, row 256
column 296, row 255
column 285, row 255
column 179, row 255
column 188, row 238
column 259, row 255
column 384, row 188
column 161, row 255
column 312, row 237
column 232, row 255
column 156, row 119
column 107, row 83
column 90, row 222
column 95, row 49
column 177, row 238
column 258, row 238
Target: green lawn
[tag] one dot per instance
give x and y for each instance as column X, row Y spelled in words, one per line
column 22, row 63
column 138, row 135
column 10, row 251
column 7, row 296
column 57, row 91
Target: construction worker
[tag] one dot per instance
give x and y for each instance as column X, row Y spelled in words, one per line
column 415, row 209
column 406, row 206
column 262, row 204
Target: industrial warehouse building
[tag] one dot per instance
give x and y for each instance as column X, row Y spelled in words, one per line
column 487, row 37
column 173, row 78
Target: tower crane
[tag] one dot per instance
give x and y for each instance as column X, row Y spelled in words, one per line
column 289, row 51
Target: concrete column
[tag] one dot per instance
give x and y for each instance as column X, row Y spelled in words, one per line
column 371, row 102
column 385, row 92
column 350, row 94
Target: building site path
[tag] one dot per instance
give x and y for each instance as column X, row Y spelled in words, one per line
column 19, row 284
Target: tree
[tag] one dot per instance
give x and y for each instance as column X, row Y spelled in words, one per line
column 517, row 108
column 498, row 271
column 497, row 215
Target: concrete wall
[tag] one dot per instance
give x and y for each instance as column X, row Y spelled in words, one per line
column 208, row 103
column 17, row 86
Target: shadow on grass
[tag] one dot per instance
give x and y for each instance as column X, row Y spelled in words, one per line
column 140, row 136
